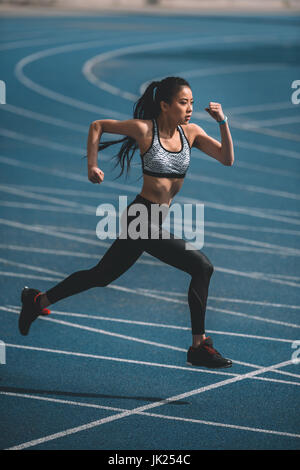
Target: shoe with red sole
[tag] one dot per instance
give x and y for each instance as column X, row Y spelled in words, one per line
column 206, row 355
column 30, row 309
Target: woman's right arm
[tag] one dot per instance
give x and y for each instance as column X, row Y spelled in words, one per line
column 134, row 128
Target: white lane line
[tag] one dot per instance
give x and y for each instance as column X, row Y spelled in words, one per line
column 267, row 149
column 53, row 233
column 42, row 142
column 252, row 242
column 264, row 130
column 16, row 309
column 275, row 121
column 125, row 414
column 159, row 297
column 244, row 187
column 90, row 76
column 29, row 276
column 86, row 209
column 154, row 291
column 252, row 317
column 252, row 228
column 207, row 245
column 40, row 197
column 153, row 415
column 155, row 364
column 247, row 211
column 124, row 360
column 70, row 192
column 20, row 44
column 88, row 66
column 19, row 72
column 256, row 275
column 67, row 48
column 59, row 96
column 223, row 246
column 77, row 254
column 259, row 168
column 116, row 335
column 255, row 302
column 256, row 108
column 267, row 277
column 27, row 266
column 270, row 249
column 43, row 207
column 274, row 249
column 79, row 128
column 225, row 299
column 197, row 177
column 224, row 70
column 189, row 225
column 115, row 195
column 214, row 309
column 27, row 43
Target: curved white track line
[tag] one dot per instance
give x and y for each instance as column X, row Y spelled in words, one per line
column 154, row 415
column 85, row 209
column 209, row 180
column 15, row 309
column 28, row 43
column 84, row 129
column 166, row 401
column 40, row 197
column 92, row 78
column 104, row 56
column 41, row 117
column 59, row 96
column 242, row 187
column 266, row 277
column 247, row 211
column 100, row 58
column 114, row 197
column 222, row 70
column 256, row 108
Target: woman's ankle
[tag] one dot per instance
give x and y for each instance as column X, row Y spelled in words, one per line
column 197, row 340
column 44, row 302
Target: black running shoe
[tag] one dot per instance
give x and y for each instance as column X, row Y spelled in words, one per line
column 30, row 309
column 206, row 355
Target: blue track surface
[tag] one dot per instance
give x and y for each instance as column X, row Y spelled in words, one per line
column 95, row 374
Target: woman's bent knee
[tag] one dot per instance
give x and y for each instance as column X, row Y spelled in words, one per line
column 203, row 266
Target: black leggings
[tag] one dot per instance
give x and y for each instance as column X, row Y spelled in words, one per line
column 123, row 253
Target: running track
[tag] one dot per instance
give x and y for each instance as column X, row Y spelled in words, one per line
column 107, row 369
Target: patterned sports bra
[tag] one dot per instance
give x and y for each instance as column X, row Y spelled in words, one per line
column 162, row 163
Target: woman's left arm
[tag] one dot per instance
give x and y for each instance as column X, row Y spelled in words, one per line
column 222, row 151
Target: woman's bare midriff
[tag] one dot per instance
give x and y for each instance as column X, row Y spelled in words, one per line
column 160, row 190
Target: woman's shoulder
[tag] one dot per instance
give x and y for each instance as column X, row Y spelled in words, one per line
column 145, row 126
column 192, row 130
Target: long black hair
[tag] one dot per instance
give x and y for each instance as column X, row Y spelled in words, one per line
column 147, row 107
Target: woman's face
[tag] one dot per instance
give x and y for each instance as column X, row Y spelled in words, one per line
column 181, row 107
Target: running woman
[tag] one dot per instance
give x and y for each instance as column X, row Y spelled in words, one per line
column 162, row 132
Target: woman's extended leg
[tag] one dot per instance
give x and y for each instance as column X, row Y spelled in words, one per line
column 121, row 255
